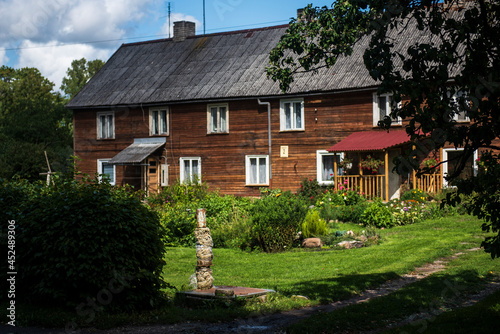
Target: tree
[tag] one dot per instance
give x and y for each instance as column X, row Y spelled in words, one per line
column 32, row 120
column 79, row 74
column 454, row 67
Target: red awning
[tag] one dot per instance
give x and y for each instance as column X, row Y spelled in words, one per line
column 371, row 141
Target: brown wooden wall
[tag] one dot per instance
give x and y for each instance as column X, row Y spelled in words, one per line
column 328, row 119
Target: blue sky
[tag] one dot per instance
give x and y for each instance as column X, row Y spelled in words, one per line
column 50, row 34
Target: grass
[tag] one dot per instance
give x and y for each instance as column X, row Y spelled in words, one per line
column 322, row 276
column 430, row 296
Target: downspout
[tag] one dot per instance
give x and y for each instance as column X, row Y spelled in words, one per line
column 268, row 136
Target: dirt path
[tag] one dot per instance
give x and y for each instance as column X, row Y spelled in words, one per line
column 275, row 322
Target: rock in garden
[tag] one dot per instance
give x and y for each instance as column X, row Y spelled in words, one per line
column 350, row 244
column 311, row 243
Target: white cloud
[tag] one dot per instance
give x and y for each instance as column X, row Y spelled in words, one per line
column 68, row 20
column 174, row 17
column 3, row 57
column 53, row 62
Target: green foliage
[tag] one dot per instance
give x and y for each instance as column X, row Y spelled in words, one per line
column 188, row 192
column 229, row 221
column 79, row 74
column 431, row 105
column 313, row 225
column 415, row 195
column 179, row 222
column 349, row 213
column 407, row 212
column 74, row 239
column 378, row 215
column 276, row 220
column 32, row 120
column 310, row 190
column 480, row 195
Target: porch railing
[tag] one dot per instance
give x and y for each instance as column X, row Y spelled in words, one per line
column 430, row 183
column 369, row 186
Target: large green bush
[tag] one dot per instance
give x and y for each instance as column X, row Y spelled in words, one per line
column 78, row 242
column 276, row 220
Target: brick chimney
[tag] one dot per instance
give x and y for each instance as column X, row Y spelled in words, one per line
column 183, row 29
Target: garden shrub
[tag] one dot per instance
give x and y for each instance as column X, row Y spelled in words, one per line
column 276, row 220
column 407, row 212
column 378, row 214
column 310, row 190
column 229, row 221
column 415, row 195
column 351, row 213
column 190, row 192
column 313, row 225
column 76, row 240
column 179, row 222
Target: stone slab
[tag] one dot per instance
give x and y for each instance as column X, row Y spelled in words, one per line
column 239, row 291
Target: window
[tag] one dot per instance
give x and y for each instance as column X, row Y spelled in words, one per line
column 158, row 124
column 190, row 169
column 325, row 166
column 106, row 170
column 105, row 125
column 460, row 105
column 292, row 115
column 257, row 169
column 451, row 160
column 217, row 118
column 382, row 106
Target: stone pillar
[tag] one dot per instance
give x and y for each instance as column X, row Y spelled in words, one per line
column 204, row 253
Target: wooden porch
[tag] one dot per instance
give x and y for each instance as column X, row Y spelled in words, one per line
column 374, row 186
column 384, row 183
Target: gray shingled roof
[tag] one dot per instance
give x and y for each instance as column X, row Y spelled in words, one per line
column 213, row 67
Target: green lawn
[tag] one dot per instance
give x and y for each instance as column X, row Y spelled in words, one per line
column 322, row 276
column 333, row 274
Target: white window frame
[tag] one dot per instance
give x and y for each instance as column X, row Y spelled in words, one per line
column 455, row 98
column 100, row 171
column 109, row 127
column 293, row 121
column 210, row 128
column 319, row 166
column 162, row 130
column 388, row 108
column 189, row 178
column 445, row 163
column 248, row 173
column 164, row 175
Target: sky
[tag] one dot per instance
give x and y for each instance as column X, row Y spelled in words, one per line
column 50, row 34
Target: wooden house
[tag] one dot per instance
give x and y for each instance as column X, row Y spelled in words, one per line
column 194, row 108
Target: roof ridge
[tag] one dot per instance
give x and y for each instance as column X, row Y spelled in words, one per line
column 234, row 32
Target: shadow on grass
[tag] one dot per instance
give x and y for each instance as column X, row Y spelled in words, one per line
column 424, row 298
column 339, row 287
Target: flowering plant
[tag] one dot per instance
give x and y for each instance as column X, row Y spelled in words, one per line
column 371, row 164
column 431, row 163
column 345, row 164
